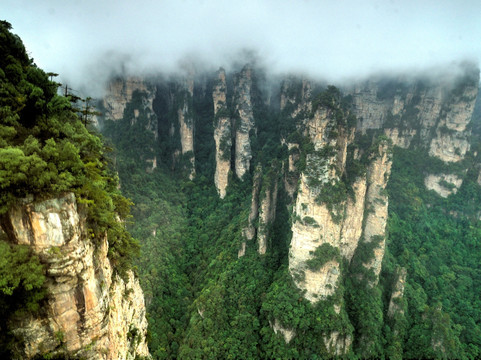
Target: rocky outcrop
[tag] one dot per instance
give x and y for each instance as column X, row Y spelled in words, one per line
column 185, row 113
column 434, row 111
column 397, row 294
column 295, row 95
column 267, row 211
column 288, row 334
column 136, row 96
column 120, row 92
column 222, row 134
column 244, row 120
column 318, row 222
column 329, row 221
column 249, row 232
column 376, row 204
column 353, row 219
column 291, row 176
column 443, row 184
column 91, row 312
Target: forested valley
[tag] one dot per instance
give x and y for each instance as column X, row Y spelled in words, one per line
column 265, row 216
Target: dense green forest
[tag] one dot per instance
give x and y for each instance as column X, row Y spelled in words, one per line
column 205, row 302
column 45, row 151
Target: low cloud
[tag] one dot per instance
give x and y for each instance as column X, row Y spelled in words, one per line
column 88, row 40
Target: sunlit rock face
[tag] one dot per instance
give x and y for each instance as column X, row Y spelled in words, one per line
column 443, row 184
column 91, row 312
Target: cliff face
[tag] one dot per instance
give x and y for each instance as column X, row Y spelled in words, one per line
column 90, row 312
column 267, row 210
column 330, row 221
column 138, row 95
column 334, row 170
column 121, row 91
column 437, row 112
column 222, row 134
column 376, row 205
column 186, row 121
column 244, row 121
column 262, row 210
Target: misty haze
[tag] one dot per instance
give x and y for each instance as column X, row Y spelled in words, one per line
column 240, row 180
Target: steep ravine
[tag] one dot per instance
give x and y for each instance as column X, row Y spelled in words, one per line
column 333, row 153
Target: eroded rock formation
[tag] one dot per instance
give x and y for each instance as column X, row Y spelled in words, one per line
column 244, row 120
column 222, row 134
column 185, row 114
column 91, row 312
column 435, row 112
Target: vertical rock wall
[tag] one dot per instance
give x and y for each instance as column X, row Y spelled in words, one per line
column 90, row 312
column 244, row 121
column 267, row 211
column 185, row 114
column 437, row 110
column 222, row 134
column 376, row 205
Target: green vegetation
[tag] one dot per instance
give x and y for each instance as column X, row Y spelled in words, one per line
column 204, row 301
column 324, row 253
column 46, row 150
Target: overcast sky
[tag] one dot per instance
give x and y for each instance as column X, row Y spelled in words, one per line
column 83, row 39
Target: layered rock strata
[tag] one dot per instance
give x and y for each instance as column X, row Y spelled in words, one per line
column 90, row 312
column 328, row 221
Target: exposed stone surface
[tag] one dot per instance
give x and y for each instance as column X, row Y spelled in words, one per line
column 437, row 110
column 222, row 134
column 398, row 293
column 352, row 223
column 249, row 231
column 401, row 138
column 341, row 224
column 315, row 223
column 291, row 176
column 288, row 334
column 338, row 344
column 89, row 311
column 443, row 184
column 267, row 212
column 377, row 204
column 120, row 92
column 244, row 121
column 292, row 97
column 186, row 121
